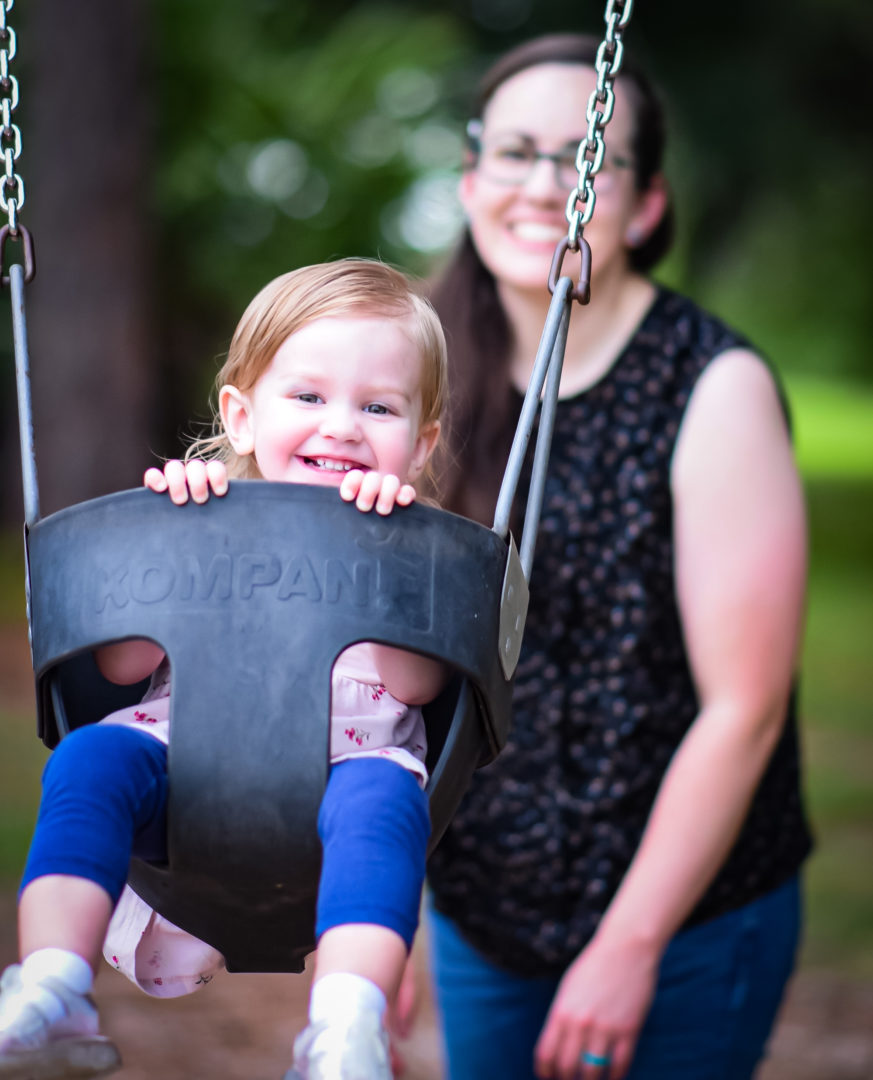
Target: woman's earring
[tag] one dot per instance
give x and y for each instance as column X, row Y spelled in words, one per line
column 634, row 236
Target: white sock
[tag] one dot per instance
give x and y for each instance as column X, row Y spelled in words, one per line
column 68, row 967
column 341, row 996
column 73, row 970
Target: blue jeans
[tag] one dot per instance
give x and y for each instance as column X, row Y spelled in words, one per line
column 719, row 989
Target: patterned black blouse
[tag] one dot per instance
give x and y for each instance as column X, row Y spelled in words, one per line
column 603, row 691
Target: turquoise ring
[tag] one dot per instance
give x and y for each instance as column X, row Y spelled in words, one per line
column 600, row 1060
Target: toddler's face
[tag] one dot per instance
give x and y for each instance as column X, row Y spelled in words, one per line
column 341, row 393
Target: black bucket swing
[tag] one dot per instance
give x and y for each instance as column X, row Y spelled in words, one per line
column 253, row 597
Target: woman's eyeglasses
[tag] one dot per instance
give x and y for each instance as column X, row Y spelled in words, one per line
column 511, row 159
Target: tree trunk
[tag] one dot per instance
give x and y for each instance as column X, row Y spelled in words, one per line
column 86, row 162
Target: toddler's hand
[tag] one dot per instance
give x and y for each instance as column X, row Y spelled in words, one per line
column 179, row 478
column 374, row 489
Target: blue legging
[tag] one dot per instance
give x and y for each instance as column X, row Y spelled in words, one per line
column 105, row 799
column 374, row 827
column 718, row 992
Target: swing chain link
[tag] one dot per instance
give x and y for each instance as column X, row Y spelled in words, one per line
column 590, row 155
column 601, row 104
column 11, row 184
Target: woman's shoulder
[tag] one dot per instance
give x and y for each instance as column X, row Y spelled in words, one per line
column 739, row 389
column 688, row 326
column 680, row 341
column 724, row 362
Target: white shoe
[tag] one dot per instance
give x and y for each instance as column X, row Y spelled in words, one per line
column 355, row 1051
column 32, row 1047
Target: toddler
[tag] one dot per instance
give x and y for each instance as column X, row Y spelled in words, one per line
column 335, row 376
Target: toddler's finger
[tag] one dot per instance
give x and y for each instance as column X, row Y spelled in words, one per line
column 177, row 485
column 406, row 495
column 198, row 483
column 351, row 485
column 387, row 495
column 154, row 479
column 216, row 472
column 370, row 487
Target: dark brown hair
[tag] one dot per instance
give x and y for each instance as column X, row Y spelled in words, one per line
column 483, row 409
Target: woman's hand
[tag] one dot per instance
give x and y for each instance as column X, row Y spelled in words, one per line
column 369, row 490
column 181, row 478
column 599, row 1009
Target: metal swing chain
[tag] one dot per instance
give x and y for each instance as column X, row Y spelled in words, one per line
column 544, row 385
column 589, row 157
column 17, row 275
column 11, row 183
column 12, row 188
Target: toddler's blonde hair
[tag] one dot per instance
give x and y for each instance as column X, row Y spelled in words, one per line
column 362, row 288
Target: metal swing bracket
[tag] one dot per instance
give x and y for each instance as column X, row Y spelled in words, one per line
column 550, row 355
column 546, row 373
column 513, row 611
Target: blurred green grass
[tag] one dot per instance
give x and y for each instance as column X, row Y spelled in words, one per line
column 834, row 427
column 22, row 757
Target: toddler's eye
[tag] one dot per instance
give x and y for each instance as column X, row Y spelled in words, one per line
column 377, row 408
column 307, row 398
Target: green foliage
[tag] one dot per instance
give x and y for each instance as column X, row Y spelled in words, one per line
column 12, row 597
column 794, row 274
column 21, row 762
column 839, row 899
column 838, row 736
column 837, row 681
column 833, row 434
column 287, row 137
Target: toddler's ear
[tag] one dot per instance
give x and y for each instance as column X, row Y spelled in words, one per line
column 235, row 410
column 424, row 446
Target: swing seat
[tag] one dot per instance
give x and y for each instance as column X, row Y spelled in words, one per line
column 252, row 597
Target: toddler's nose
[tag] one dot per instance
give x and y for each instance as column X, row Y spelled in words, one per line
column 340, row 422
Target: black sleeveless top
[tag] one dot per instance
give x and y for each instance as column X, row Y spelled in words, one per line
column 603, row 691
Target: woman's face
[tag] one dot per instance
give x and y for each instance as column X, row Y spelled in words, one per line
column 516, row 203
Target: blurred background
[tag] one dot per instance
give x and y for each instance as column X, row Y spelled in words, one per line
column 179, row 153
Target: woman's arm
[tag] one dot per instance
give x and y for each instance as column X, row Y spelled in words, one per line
column 740, row 536
column 740, row 551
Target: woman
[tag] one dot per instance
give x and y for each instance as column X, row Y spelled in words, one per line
column 618, row 895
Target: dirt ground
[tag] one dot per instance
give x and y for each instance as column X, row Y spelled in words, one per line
column 241, row 1027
